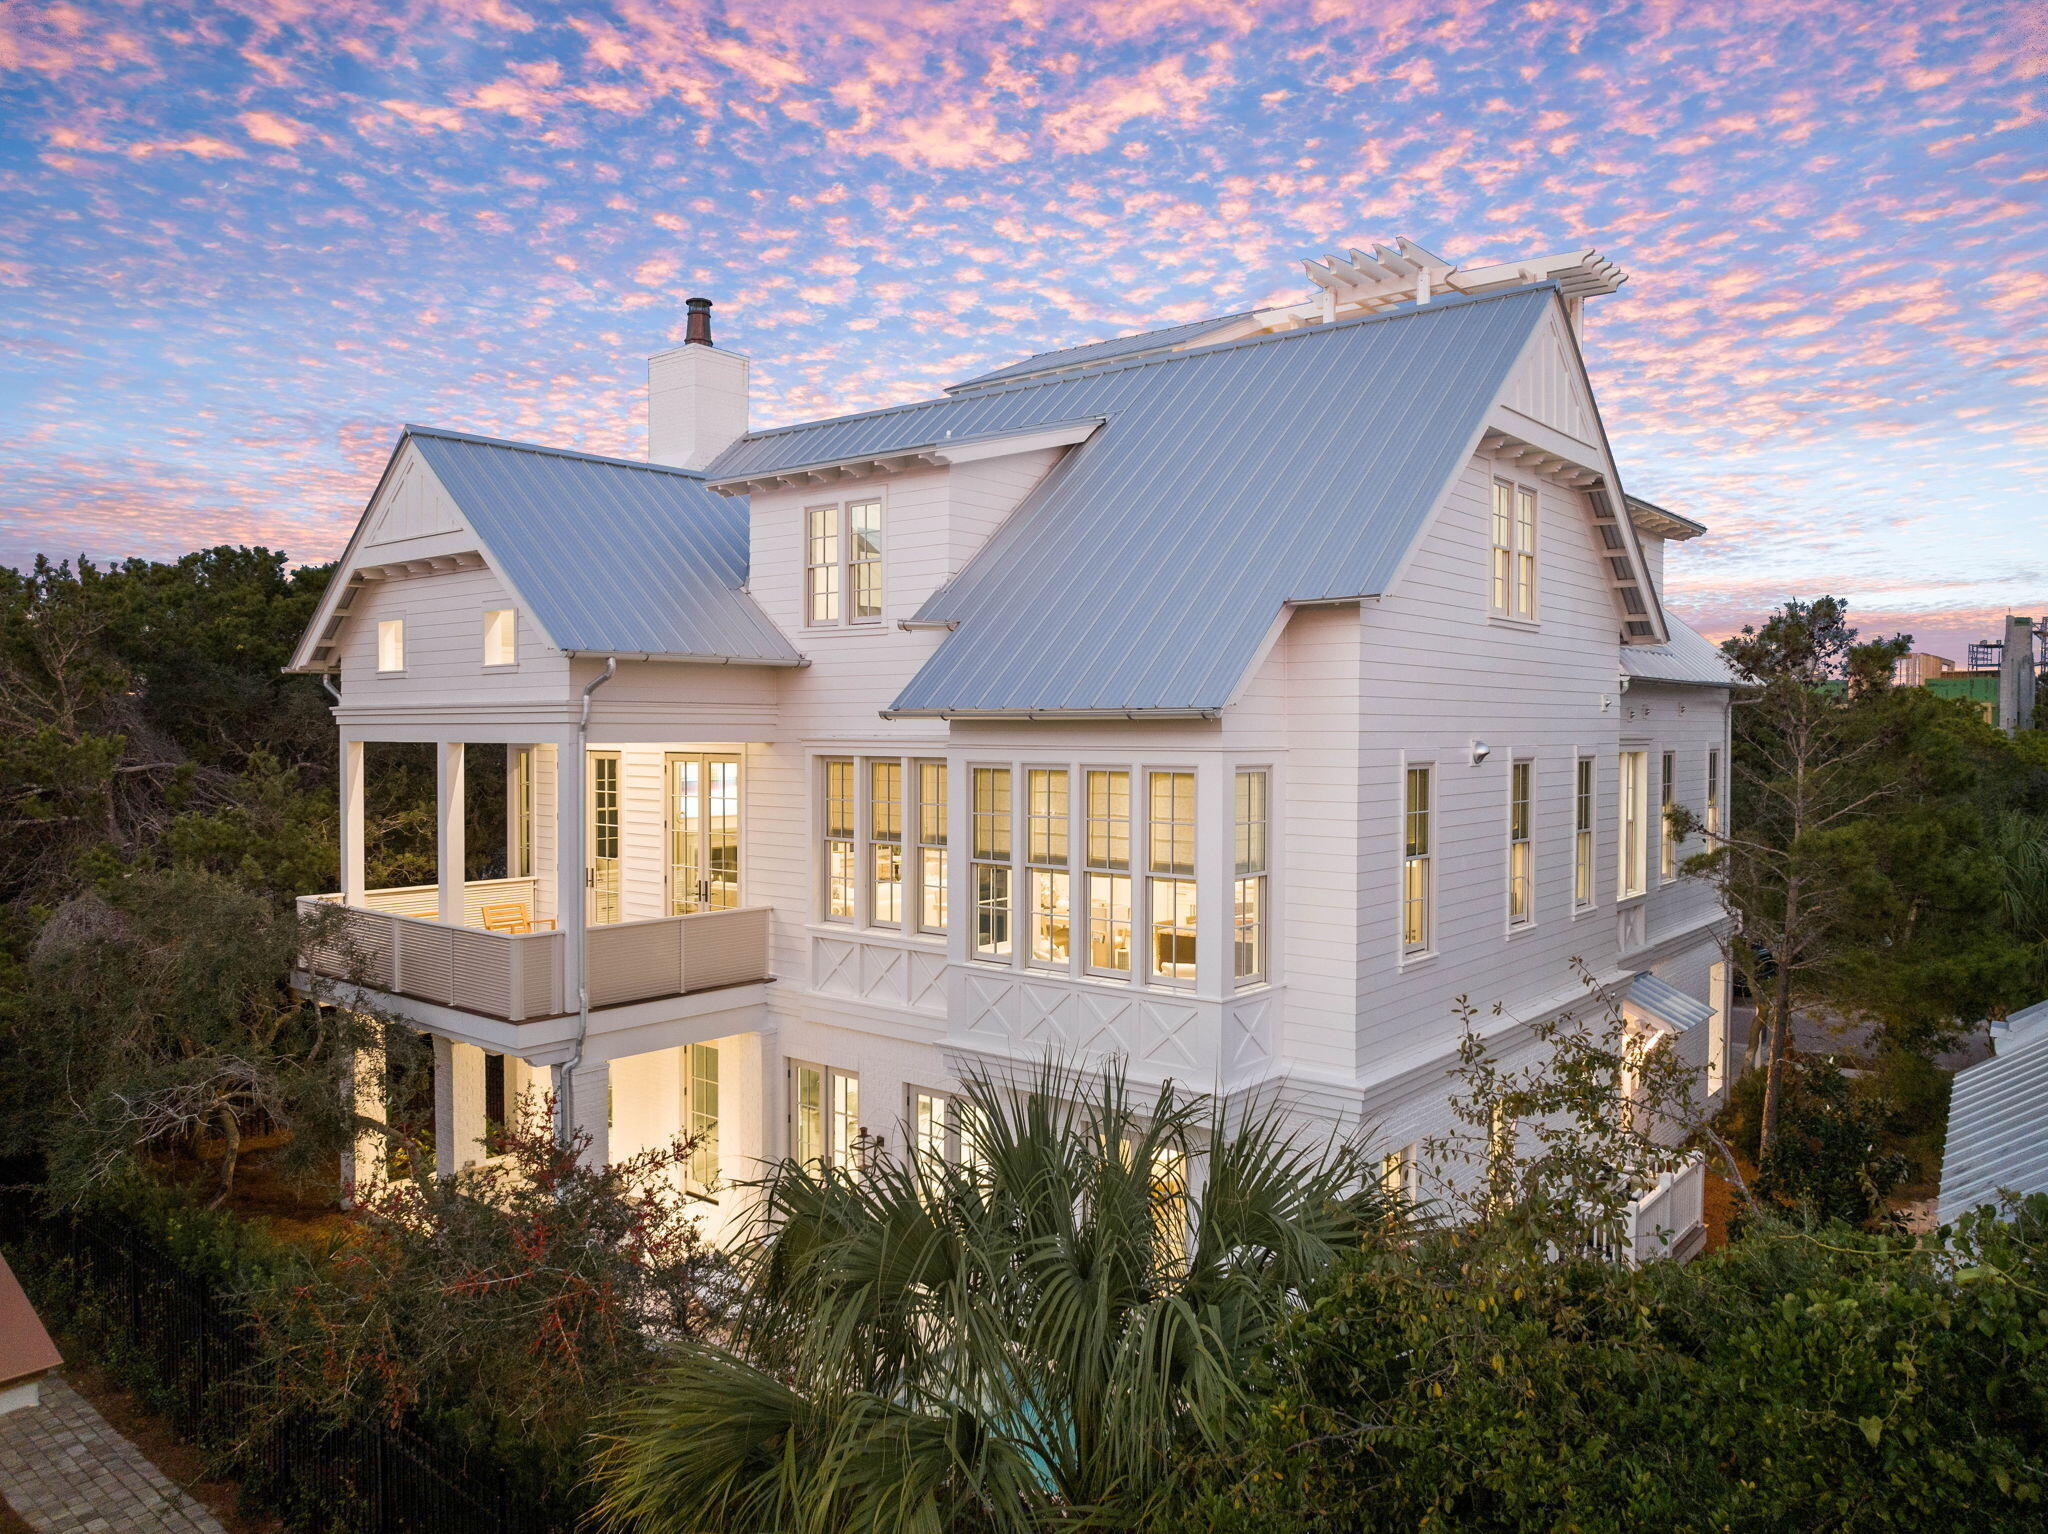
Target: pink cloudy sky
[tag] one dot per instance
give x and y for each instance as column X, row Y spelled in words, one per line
column 241, row 242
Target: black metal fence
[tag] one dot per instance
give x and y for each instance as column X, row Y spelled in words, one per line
column 192, row 1353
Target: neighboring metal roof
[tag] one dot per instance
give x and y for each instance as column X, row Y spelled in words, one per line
column 1091, row 352
column 1667, row 1004
column 1998, row 1120
column 1144, row 574
column 672, row 586
column 1688, row 658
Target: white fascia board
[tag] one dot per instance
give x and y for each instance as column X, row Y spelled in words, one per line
column 687, row 660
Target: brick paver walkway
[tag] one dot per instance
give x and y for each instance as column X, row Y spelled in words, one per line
column 66, row 1471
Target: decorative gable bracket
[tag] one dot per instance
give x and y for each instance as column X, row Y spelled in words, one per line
column 322, row 655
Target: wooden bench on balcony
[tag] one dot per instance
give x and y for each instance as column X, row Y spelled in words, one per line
column 514, row 916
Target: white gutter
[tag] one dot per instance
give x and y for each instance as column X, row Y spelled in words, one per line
column 565, row 1100
column 694, row 660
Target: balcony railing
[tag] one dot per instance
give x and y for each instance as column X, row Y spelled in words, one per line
column 388, row 945
column 1664, row 1219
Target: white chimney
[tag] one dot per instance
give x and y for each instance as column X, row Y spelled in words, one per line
column 696, row 397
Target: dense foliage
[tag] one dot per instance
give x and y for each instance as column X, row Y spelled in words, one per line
column 1798, row 1379
column 1024, row 1338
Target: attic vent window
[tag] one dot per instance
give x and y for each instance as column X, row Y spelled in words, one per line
column 501, row 642
column 391, row 645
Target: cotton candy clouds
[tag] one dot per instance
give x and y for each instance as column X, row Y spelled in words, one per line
column 242, row 242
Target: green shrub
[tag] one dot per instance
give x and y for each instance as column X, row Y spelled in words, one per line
column 1799, row 1379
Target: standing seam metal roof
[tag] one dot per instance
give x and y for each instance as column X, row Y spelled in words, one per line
column 1666, row 1002
column 1090, row 352
column 1145, row 572
column 1998, row 1120
column 545, row 516
column 1690, row 658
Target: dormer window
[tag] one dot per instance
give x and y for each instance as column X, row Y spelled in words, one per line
column 501, row 643
column 843, row 563
column 1514, row 551
column 391, row 645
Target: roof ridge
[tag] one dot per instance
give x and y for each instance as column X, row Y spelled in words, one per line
column 1153, row 359
column 411, row 430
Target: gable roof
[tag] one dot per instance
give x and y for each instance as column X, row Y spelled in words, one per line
column 1145, row 573
column 544, row 517
column 1089, row 353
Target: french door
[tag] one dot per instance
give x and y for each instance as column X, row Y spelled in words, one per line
column 703, row 833
column 602, row 876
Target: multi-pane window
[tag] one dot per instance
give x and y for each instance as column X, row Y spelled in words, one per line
column 843, row 563
column 991, row 858
column 519, row 840
column 1582, row 833
column 501, row 637
column 1521, row 850
column 1046, row 837
column 1109, row 872
column 1401, row 1171
column 941, row 1127
column 603, row 870
column 1416, row 861
column 1667, row 844
column 1248, row 892
column 885, row 843
column 702, row 1094
column 1713, row 797
column 840, row 811
column 931, row 846
column 824, row 1116
column 1633, row 874
column 1514, row 550
column 391, row 645
column 1171, row 806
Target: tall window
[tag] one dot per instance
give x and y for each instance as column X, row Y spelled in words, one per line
column 1109, row 872
column 941, row 1127
column 1248, row 895
column 501, row 637
column 1521, row 851
column 1172, row 886
column 885, row 843
column 603, row 872
column 991, row 854
column 519, row 840
column 391, row 645
column 824, row 1116
column 1713, row 798
column 703, row 1117
column 840, row 811
column 1634, row 871
column 1046, row 837
column 1514, row 550
column 931, row 846
column 1582, row 833
column 1416, row 857
column 1667, row 844
column 843, row 563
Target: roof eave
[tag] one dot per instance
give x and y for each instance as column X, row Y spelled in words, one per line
column 788, row 662
column 1051, row 713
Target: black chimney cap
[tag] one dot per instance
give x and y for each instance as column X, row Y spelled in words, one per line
column 697, row 328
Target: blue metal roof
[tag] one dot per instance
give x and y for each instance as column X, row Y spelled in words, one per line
column 553, row 522
column 1688, row 658
column 1091, row 352
column 1669, row 1005
column 1998, row 1120
column 1145, row 572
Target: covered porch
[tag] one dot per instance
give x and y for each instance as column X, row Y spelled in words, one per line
column 623, row 881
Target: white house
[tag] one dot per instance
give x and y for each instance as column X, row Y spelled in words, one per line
column 1231, row 698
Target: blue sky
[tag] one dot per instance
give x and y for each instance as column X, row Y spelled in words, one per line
column 240, row 244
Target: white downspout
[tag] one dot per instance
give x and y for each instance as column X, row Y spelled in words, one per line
column 565, row 1100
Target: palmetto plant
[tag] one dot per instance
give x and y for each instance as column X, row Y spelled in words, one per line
column 1019, row 1340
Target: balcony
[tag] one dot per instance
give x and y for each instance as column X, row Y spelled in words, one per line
column 393, row 942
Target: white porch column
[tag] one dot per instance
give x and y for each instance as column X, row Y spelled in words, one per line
column 590, row 1107
column 451, row 855
column 362, row 1165
column 571, row 908
column 458, row 1105
column 352, row 878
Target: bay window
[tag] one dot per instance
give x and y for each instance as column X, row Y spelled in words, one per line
column 1248, row 892
column 839, row 832
column 1171, row 891
column 990, row 848
column 931, row 846
column 1046, row 835
column 1109, row 872
column 885, row 843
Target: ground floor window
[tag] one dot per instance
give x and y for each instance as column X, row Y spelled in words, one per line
column 824, row 1115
